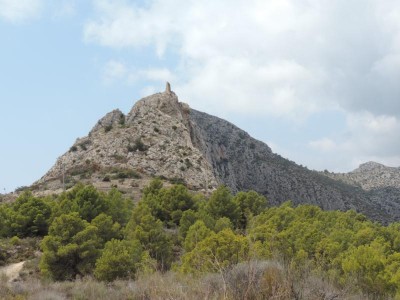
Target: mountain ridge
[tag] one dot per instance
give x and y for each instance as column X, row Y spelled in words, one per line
column 370, row 176
column 163, row 137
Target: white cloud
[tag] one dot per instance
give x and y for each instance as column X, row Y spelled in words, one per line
column 367, row 138
column 283, row 58
column 324, row 144
column 148, row 90
column 16, row 11
column 64, row 8
column 117, row 71
column 124, row 25
column 371, row 135
column 114, row 71
column 157, row 74
column 287, row 58
column 240, row 85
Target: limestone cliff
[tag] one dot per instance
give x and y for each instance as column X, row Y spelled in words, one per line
column 243, row 163
column 163, row 137
column 370, row 176
column 153, row 139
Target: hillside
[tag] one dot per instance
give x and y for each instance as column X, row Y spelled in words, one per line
column 163, row 137
column 177, row 244
column 127, row 150
column 370, row 176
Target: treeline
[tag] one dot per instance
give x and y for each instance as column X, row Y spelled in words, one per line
column 87, row 232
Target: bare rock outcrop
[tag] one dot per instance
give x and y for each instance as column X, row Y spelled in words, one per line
column 163, row 137
column 153, row 139
column 243, row 163
column 370, row 176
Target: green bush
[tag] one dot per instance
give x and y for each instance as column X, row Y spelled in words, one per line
column 127, row 173
column 216, row 253
column 221, row 204
column 149, row 231
column 137, row 146
column 249, row 204
column 196, row 233
column 70, row 249
column 119, row 260
column 27, row 216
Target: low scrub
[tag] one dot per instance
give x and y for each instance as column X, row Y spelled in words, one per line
column 250, row 280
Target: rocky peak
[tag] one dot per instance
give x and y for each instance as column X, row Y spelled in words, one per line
column 369, row 166
column 153, row 139
column 166, row 103
column 110, row 120
column 163, row 137
column 370, row 176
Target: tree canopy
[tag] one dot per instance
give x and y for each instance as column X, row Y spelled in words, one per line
column 88, row 232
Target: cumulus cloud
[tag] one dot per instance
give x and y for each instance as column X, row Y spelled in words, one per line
column 373, row 135
column 324, row 144
column 367, row 138
column 16, row 11
column 158, row 74
column 114, row 70
column 64, row 8
column 117, row 71
column 284, row 58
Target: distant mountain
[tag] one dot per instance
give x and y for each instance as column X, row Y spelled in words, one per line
column 370, row 176
column 163, row 137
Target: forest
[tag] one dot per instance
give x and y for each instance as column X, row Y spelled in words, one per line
column 176, row 244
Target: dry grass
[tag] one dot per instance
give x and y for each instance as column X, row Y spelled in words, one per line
column 248, row 281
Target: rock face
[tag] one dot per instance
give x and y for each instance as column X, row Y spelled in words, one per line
column 371, row 176
column 153, row 139
column 163, row 137
column 243, row 163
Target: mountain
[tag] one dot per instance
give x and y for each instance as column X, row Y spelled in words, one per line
column 163, row 137
column 153, row 139
column 370, row 176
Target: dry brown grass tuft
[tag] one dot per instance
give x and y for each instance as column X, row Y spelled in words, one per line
column 248, row 281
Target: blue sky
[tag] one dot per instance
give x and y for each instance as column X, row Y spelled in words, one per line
column 317, row 80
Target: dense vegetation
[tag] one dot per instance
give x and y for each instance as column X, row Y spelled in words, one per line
column 90, row 233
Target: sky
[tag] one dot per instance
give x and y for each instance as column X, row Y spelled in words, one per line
column 317, row 80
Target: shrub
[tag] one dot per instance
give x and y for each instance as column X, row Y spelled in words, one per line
column 196, row 233
column 137, row 146
column 70, row 249
column 221, row 204
column 177, row 180
column 15, row 241
column 150, row 233
column 126, row 173
column 122, row 120
column 249, row 204
column 168, row 204
column 119, row 260
column 120, row 158
column 108, row 128
column 216, row 253
column 188, row 163
column 28, row 216
column 84, row 144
